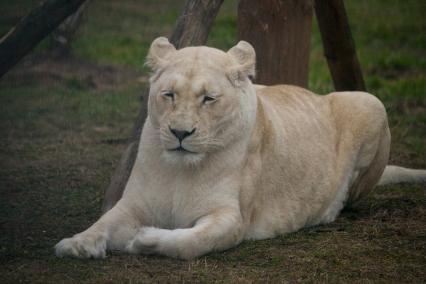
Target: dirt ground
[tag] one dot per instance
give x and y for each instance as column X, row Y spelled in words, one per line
column 64, row 123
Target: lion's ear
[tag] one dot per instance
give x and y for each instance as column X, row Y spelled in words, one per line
column 158, row 53
column 245, row 57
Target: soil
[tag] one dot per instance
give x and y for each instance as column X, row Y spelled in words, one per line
column 50, row 69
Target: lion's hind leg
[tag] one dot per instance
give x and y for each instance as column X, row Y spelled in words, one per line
column 369, row 177
column 362, row 148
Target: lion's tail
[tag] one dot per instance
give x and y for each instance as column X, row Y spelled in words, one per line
column 395, row 174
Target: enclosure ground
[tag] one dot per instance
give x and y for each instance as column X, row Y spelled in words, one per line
column 64, row 124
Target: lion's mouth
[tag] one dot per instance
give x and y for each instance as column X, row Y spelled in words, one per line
column 182, row 150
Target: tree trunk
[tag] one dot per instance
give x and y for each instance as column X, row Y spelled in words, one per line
column 32, row 29
column 192, row 28
column 194, row 23
column 61, row 38
column 339, row 47
column 280, row 32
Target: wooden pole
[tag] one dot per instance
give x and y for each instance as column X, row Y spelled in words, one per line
column 339, row 47
column 192, row 28
column 280, row 32
column 62, row 36
column 32, row 29
column 194, row 23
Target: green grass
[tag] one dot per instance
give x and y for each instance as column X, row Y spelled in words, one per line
column 61, row 137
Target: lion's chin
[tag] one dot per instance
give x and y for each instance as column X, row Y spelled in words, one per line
column 182, row 158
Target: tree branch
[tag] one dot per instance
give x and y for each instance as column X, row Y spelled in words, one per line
column 339, row 47
column 32, row 29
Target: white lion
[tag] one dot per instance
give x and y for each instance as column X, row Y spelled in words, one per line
column 222, row 160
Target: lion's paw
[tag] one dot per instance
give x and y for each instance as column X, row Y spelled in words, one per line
column 146, row 241
column 151, row 240
column 82, row 246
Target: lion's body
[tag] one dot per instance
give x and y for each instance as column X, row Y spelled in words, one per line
column 334, row 139
column 260, row 161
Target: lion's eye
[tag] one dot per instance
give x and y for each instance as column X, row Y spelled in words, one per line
column 170, row 95
column 208, row 99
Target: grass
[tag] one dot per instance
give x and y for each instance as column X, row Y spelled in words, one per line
column 62, row 135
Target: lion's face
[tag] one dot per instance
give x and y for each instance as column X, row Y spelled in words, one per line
column 200, row 99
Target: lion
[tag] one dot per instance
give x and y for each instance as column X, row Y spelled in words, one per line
column 222, row 160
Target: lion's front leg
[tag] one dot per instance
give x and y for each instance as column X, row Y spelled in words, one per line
column 219, row 230
column 113, row 231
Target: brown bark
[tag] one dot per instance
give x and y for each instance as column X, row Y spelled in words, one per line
column 192, row 28
column 32, row 29
column 280, row 32
column 194, row 23
column 339, row 47
column 61, row 38
column 121, row 174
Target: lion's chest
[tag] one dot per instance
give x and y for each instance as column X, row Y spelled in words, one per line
column 175, row 202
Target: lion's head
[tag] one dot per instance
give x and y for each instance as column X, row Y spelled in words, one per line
column 201, row 99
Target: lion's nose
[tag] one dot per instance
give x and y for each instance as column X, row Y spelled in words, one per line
column 181, row 134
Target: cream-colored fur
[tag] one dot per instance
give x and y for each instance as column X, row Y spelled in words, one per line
column 261, row 161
